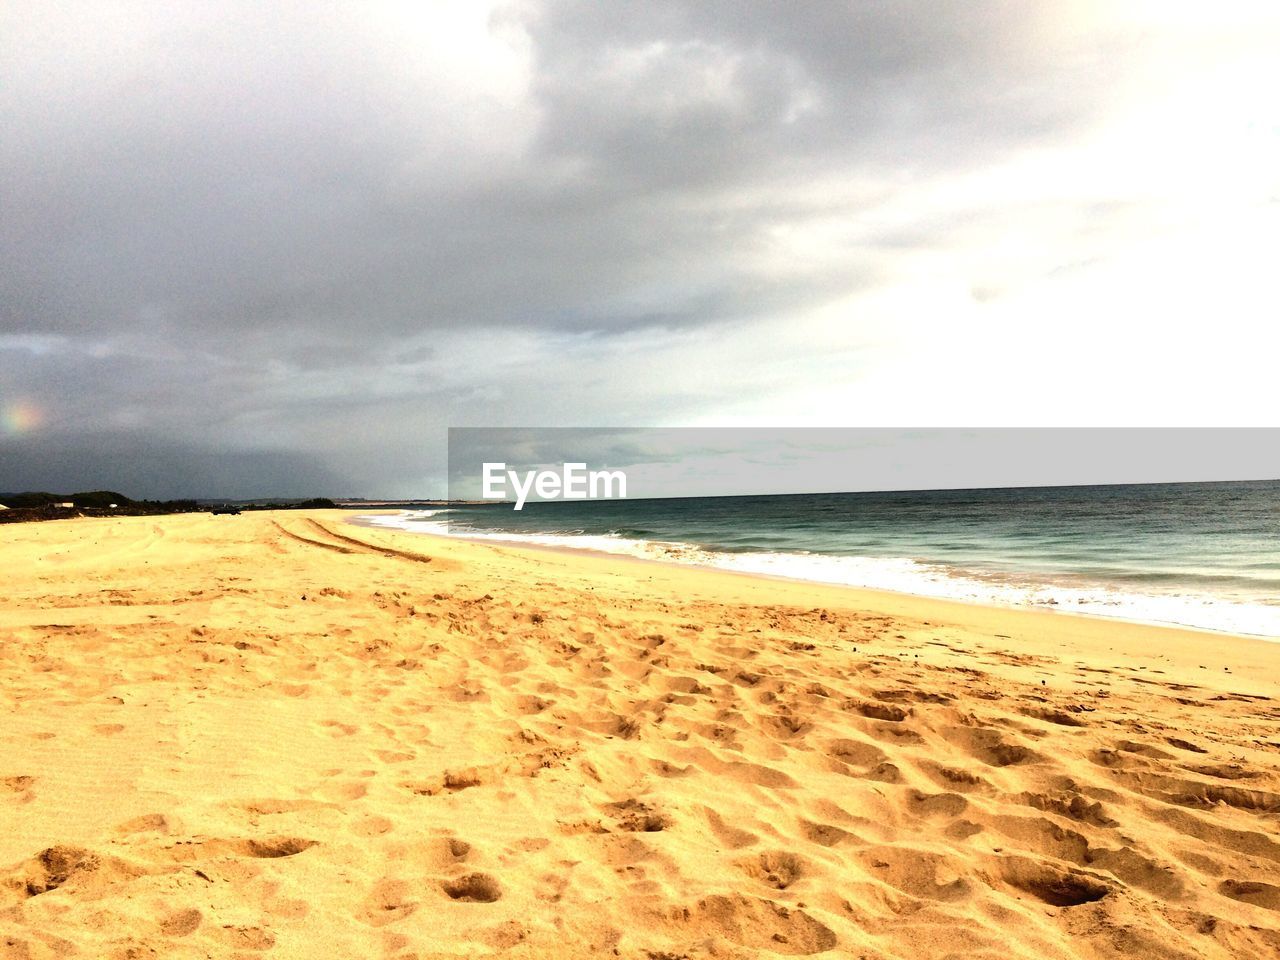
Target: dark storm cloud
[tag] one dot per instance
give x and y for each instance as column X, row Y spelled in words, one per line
column 144, row 467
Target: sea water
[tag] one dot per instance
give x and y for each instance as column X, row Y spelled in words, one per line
column 1198, row 554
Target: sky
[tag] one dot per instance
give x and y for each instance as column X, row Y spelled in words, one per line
column 277, row 249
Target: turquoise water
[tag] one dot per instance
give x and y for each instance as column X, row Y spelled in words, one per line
column 1204, row 554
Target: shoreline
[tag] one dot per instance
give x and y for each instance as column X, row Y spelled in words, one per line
column 497, row 540
column 1061, row 629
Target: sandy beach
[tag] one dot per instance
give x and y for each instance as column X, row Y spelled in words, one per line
column 284, row 735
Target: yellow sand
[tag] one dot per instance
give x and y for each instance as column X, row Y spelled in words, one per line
column 283, row 735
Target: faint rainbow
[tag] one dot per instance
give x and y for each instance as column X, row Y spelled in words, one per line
column 20, row 417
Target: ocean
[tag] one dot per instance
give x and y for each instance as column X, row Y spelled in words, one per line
column 1197, row 554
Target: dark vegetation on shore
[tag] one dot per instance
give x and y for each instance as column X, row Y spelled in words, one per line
column 108, row 503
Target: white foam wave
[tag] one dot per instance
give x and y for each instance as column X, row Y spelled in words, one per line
column 903, row 575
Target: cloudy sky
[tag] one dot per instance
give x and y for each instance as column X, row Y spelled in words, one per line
column 277, row 248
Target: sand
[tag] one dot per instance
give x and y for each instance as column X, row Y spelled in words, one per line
column 283, row 735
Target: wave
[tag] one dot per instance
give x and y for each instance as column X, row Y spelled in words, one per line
column 1160, row 603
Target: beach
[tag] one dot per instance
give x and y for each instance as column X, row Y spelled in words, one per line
column 284, row 735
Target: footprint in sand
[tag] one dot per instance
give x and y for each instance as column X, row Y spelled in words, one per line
column 991, row 747
column 823, row 834
column 147, row 823
column 953, row 778
column 372, row 827
column 775, row 868
column 1256, row 892
column 262, row 848
column 19, row 786
column 635, row 816
column 751, row 922
column 438, row 854
column 1063, row 718
column 272, row 848
column 929, row 805
column 271, row 806
column 341, row 790
column 248, row 937
column 451, row 781
column 505, row 935
column 1052, row 884
column 885, row 712
column 731, row 836
column 854, row 753
column 472, row 888
column 917, row 872
column 180, row 923
column 64, row 866
column 388, row 902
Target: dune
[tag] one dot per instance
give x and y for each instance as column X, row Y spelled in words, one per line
column 283, row 735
